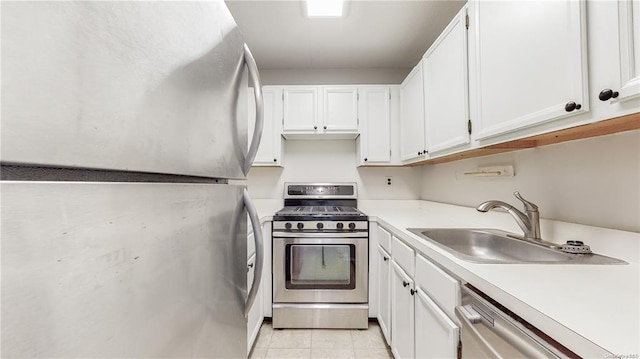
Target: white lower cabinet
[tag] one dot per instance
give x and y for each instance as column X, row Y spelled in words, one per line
column 402, row 313
column 417, row 298
column 436, row 336
column 257, row 311
column 384, row 293
column 256, row 316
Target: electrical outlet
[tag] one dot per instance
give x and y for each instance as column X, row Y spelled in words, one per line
column 388, row 180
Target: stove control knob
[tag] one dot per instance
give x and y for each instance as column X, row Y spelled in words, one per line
column 352, row 225
column 300, row 225
column 339, row 225
column 320, row 225
column 287, row 225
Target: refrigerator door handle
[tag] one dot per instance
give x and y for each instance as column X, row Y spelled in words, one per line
column 257, row 236
column 257, row 90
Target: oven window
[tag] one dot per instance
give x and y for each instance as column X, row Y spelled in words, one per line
column 320, row 266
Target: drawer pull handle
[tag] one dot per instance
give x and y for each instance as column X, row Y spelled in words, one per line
column 572, row 106
column 404, row 284
column 607, row 94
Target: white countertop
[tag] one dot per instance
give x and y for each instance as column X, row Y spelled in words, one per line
column 599, row 303
column 578, row 305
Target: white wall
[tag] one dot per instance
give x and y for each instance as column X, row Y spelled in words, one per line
column 592, row 181
column 332, row 161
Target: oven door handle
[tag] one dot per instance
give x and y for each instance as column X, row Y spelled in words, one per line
column 257, row 236
column 319, row 235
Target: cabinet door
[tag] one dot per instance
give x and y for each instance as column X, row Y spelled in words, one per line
column 384, row 293
column 435, row 334
column 375, row 125
column 629, row 28
column 340, row 110
column 301, row 109
column 402, row 313
column 412, row 144
column 446, row 84
column 270, row 150
column 254, row 320
column 530, row 63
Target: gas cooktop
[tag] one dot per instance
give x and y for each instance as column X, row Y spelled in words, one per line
column 311, row 213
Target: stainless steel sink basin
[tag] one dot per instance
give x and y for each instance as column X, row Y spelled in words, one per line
column 496, row 246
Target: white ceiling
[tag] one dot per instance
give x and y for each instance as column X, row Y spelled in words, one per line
column 374, row 34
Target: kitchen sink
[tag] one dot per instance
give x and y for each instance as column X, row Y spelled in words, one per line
column 496, row 246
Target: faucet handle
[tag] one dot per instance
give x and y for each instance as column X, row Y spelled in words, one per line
column 528, row 206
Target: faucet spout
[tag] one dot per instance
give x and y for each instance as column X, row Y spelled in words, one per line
column 529, row 221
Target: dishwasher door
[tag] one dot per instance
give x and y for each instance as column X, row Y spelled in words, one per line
column 488, row 332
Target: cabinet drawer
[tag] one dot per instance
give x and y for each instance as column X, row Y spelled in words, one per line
column 403, row 255
column 440, row 286
column 384, row 239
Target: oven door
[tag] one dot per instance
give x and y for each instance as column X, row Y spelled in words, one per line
column 320, row 268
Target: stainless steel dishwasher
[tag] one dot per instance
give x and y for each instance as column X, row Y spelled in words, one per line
column 489, row 330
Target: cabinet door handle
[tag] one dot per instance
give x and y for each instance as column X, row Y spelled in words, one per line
column 413, row 291
column 315, row 127
column 419, row 153
column 365, row 160
column 325, row 127
column 385, row 258
column 405, row 284
column 607, row 94
column 571, row 106
column 275, row 160
column 250, row 265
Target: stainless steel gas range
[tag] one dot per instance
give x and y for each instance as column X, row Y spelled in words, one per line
column 320, row 258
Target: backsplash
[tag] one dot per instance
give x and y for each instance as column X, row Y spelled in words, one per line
column 593, row 181
column 332, row 161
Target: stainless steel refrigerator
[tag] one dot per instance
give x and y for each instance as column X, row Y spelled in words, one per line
column 124, row 150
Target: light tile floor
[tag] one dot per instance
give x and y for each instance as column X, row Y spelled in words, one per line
column 320, row 343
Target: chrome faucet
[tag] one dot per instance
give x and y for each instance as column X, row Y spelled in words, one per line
column 528, row 221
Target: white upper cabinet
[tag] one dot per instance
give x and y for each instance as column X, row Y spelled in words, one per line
column 446, row 84
column 614, row 56
column 301, row 110
column 412, row 141
column 530, row 63
column 340, row 111
column 323, row 110
column 629, row 32
column 270, row 150
column 375, row 127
